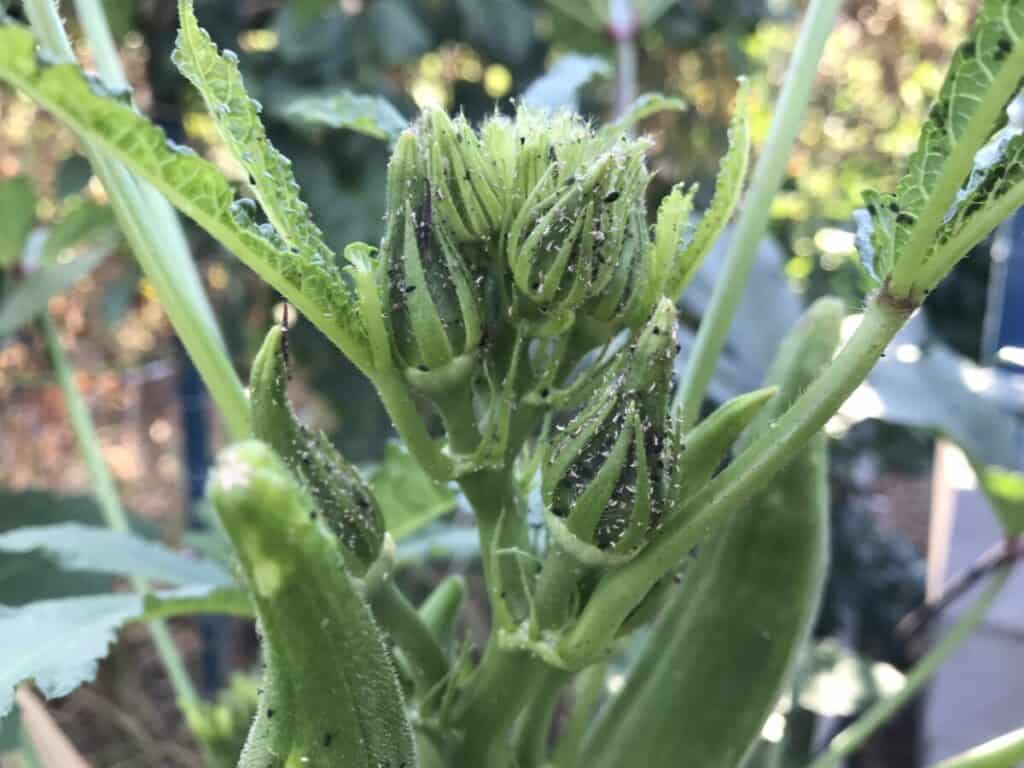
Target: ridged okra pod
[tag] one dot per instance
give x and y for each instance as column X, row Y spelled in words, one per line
column 330, row 695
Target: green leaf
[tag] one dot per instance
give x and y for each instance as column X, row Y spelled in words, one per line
column 77, row 547
column 193, row 600
column 236, row 116
column 1004, row 489
column 306, row 278
column 833, row 681
column 28, row 299
column 341, row 108
column 645, row 106
column 558, row 89
column 85, row 222
column 28, row 577
column 18, row 203
column 72, row 176
column 408, row 498
column 58, row 643
column 982, row 79
column 732, row 172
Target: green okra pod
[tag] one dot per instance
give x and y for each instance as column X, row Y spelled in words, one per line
column 330, row 695
column 339, row 494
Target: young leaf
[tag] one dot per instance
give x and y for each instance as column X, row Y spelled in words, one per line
column 341, row 108
column 732, row 172
column 236, row 116
column 77, row 547
column 307, row 278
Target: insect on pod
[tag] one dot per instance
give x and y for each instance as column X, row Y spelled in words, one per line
column 605, row 484
column 433, row 304
column 340, row 497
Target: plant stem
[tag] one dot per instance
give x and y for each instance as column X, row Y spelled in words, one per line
column 856, row 734
column 588, row 687
column 110, row 504
column 1006, row 750
column 399, row 619
column 394, row 394
column 622, row 589
column 753, row 219
column 153, row 230
column 535, row 724
column 622, row 28
column 505, row 682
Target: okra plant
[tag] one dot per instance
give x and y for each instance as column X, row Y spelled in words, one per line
column 518, row 320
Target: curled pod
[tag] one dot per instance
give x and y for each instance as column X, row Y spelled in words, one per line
column 340, row 497
column 330, row 695
column 606, row 482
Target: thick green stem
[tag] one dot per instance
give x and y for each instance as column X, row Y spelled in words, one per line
column 398, row 617
column 153, row 231
column 505, row 683
column 852, row 737
column 753, row 219
column 110, row 503
column 398, row 402
column 1001, row 752
column 622, row 589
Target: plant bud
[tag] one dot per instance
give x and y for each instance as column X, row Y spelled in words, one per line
column 606, row 483
column 565, row 243
column 466, row 187
column 433, row 307
column 629, row 296
column 340, row 496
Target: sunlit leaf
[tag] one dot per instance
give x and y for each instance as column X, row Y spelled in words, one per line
column 306, row 277
column 981, row 81
column 217, row 78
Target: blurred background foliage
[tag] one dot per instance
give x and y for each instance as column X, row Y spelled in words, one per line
column 882, row 66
